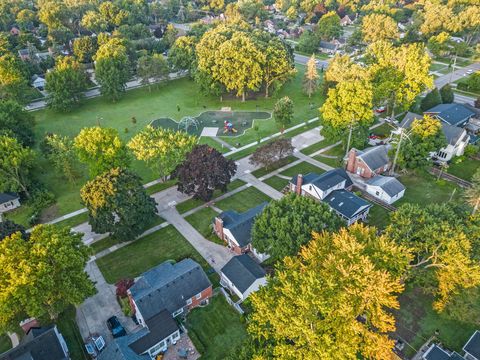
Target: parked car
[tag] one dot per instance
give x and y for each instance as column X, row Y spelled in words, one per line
column 380, row 109
column 469, row 71
column 115, row 327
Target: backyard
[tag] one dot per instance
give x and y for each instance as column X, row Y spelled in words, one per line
column 243, row 201
column 5, row 343
column 215, row 329
column 463, row 169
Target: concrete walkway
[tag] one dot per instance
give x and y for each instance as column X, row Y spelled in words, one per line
column 14, row 339
column 266, row 189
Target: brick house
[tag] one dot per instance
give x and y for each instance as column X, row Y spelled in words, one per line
column 369, row 162
column 236, row 230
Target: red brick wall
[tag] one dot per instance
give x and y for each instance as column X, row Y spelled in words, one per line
column 218, row 227
column 206, row 294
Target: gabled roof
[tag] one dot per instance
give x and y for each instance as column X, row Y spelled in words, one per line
column 327, row 180
column 408, row 119
column 242, row 271
column 240, row 225
column 435, row 352
column 346, row 203
column 388, row 184
column 375, row 157
column 451, row 113
column 328, row 45
column 42, row 344
column 473, row 345
column 168, row 286
column 5, row 197
column 118, row 349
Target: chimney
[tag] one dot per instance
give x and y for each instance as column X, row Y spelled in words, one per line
column 298, row 187
column 219, row 227
column 352, row 159
column 27, row 324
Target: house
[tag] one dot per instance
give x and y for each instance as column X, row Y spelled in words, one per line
column 242, row 276
column 38, row 82
column 435, row 352
column 346, row 21
column 457, row 138
column 157, row 297
column 369, row 162
column 14, row 31
column 386, row 188
column 332, row 188
column 331, row 47
column 40, row 343
column 471, row 349
column 8, row 201
column 236, row 230
column 24, row 54
column 453, row 114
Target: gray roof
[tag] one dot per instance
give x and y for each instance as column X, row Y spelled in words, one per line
column 168, row 286
column 242, row 271
column 388, row 184
column 375, row 157
column 327, row 180
column 119, row 349
column 437, row 353
column 473, row 345
column 328, row 45
column 408, row 119
column 41, row 344
column 240, row 225
column 5, row 197
column 452, row 133
column 346, row 203
column 453, row 113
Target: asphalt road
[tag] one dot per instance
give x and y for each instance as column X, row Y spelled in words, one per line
column 302, row 59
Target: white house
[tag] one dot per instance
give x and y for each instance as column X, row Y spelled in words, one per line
column 242, row 276
column 8, row 202
column 38, row 82
column 385, row 188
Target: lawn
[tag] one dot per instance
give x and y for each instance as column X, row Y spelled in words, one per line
column 243, row 200
column 161, row 186
column 378, row 217
column 417, row 322
column 5, row 343
column 202, row 222
column 67, row 325
column 215, row 329
column 147, row 252
column 302, row 168
column 74, row 221
column 267, row 170
column 276, row 182
column 309, row 150
column 214, row 144
column 464, row 169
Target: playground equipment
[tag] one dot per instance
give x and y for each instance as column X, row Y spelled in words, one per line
column 186, row 122
column 228, row 127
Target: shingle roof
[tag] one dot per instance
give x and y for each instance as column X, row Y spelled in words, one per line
column 160, row 327
column 41, row 345
column 328, row 45
column 326, row 180
column 451, row 113
column 473, row 345
column 168, row 286
column 375, row 157
column 118, row 349
column 389, row 184
column 242, row 271
column 436, row 353
column 346, row 203
column 408, row 119
column 4, row 197
column 240, row 225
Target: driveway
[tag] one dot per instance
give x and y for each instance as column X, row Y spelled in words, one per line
column 94, row 312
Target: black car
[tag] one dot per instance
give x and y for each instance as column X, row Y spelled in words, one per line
column 115, row 327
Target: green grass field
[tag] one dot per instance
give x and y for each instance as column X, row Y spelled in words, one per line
column 202, row 222
column 243, row 201
column 464, row 169
column 5, row 343
column 67, row 325
column 276, row 182
column 302, row 168
column 215, row 329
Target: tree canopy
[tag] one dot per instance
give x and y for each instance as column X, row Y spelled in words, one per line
column 283, row 112
column 17, row 122
column 376, row 27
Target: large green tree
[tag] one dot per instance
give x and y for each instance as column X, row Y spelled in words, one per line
column 472, row 194
column 333, row 300
column 376, row 27
column 152, row 69
column 8, row 227
column 12, row 79
column 284, row 226
column 16, row 162
column 310, row 79
column 118, row 203
column 43, row 276
column 17, row 122
column 84, row 48
column 101, row 149
column 283, row 112
column 62, row 155
column 329, row 27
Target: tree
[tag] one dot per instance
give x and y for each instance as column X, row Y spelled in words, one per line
column 204, row 171
column 94, row 23
column 252, row 9
column 43, row 276
column 8, row 227
column 348, row 105
column 152, row 68
column 329, row 27
column 26, row 19
column 283, row 112
column 285, row 225
column 65, row 84
column 112, row 68
column 16, row 162
column 118, row 204
column 432, row 99
column 308, row 42
column 12, row 79
column 443, row 257
column 271, row 153
column 101, row 149
column 477, row 103
column 311, row 78
column 472, row 194
column 333, row 300
column 446, row 93
column 84, row 48
column 162, row 149
column 182, row 54
column 17, row 122
column 62, row 155
column 377, row 27
column 169, row 35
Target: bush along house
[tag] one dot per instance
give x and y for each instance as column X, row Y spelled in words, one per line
column 236, row 230
column 332, row 187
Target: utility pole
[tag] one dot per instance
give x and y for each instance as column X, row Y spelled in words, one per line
column 397, row 152
column 349, row 138
column 453, row 67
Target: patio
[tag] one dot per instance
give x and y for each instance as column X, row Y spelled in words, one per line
column 174, row 352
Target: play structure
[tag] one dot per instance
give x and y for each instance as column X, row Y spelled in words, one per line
column 228, row 127
column 187, row 122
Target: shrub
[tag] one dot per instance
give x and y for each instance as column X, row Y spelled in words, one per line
column 122, row 286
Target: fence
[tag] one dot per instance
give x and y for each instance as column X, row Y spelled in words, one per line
column 231, row 302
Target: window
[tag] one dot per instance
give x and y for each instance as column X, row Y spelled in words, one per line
column 189, row 301
column 198, row 296
column 310, row 188
column 377, row 193
column 178, row 312
column 176, row 336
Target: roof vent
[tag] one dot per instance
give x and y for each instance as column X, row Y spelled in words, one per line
column 340, row 204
